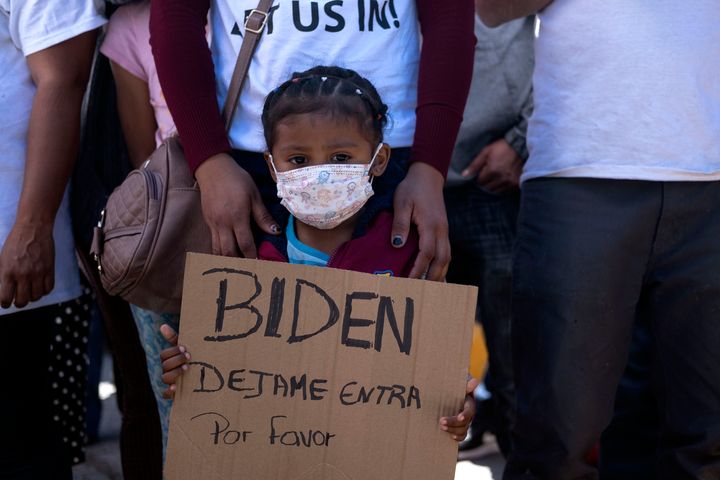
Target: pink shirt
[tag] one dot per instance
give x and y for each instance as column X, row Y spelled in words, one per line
column 127, row 43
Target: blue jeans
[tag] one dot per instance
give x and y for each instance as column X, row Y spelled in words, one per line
column 482, row 235
column 148, row 325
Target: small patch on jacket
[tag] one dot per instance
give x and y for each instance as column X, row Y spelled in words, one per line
column 384, row 273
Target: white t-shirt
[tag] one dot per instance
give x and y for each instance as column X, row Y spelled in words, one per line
column 26, row 27
column 379, row 40
column 627, row 90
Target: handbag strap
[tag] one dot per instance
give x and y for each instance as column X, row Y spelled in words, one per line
column 254, row 27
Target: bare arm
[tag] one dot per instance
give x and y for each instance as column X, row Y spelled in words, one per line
column 136, row 114
column 497, row 12
column 60, row 73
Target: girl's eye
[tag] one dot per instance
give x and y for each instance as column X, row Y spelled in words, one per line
column 297, row 160
column 340, row 158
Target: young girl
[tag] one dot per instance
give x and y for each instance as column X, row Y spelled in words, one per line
column 324, row 132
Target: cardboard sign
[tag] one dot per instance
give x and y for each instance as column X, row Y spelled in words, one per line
column 303, row 373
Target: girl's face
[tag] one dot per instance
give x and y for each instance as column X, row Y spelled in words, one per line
column 310, row 139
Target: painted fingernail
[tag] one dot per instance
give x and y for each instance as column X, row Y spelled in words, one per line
column 276, row 228
column 187, row 355
column 397, row 240
column 184, row 367
column 172, row 387
column 461, row 417
column 444, row 428
column 182, row 349
column 465, row 173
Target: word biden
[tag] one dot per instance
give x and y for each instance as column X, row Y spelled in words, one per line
column 311, row 297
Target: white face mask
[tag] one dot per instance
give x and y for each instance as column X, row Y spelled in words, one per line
column 324, row 196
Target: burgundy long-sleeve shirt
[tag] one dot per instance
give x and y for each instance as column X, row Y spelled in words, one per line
column 185, row 69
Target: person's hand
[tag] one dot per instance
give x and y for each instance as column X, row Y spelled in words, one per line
column 497, row 167
column 174, row 360
column 27, row 264
column 458, row 425
column 419, row 200
column 229, row 200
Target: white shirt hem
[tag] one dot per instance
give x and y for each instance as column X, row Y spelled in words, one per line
column 52, row 299
column 73, row 31
column 620, row 172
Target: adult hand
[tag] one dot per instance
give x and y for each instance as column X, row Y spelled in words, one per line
column 419, row 200
column 27, row 264
column 497, row 167
column 229, row 200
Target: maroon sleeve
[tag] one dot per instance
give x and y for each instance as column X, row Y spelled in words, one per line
column 446, row 63
column 187, row 77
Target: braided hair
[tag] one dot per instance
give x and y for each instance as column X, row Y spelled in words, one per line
column 333, row 90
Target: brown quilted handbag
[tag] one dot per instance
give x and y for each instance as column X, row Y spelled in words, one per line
column 150, row 222
column 154, row 217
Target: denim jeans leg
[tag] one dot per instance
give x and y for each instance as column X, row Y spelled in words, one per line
column 148, row 325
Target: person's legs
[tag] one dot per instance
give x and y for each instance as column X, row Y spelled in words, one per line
column 482, row 233
column 148, row 324
column 465, row 268
column 495, row 314
column 140, row 435
column 30, row 445
column 68, row 372
column 581, row 253
column 628, row 446
column 684, row 289
column 96, row 344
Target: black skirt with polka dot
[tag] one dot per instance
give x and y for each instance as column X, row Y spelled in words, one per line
column 68, row 370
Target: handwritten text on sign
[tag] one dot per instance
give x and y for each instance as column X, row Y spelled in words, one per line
column 301, row 372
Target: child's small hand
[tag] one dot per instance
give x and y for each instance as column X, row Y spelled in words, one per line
column 458, row 425
column 174, row 360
